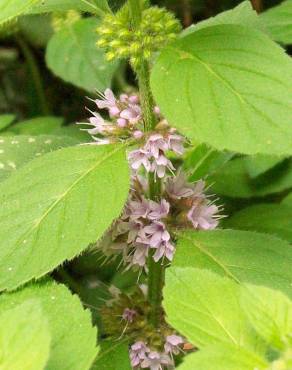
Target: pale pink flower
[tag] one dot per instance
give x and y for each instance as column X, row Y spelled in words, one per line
column 132, row 113
column 203, row 216
column 156, row 361
column 109, row 102
column 140, row 255
column 160, row 165
column 172, row 344
column 177, row 187
column 138, row 353
column 138, row 158
column 138, row 208
column 155, row 144
column 158, row 210
column 175, row 143
column 129, row 315
column 165, row 249
column 156, row 233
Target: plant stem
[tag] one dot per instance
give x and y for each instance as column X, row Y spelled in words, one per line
column 156, row 270
column 35, row 73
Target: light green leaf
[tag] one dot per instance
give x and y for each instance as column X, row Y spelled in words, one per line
column 266, row 218
column 56, row 205
column 227, row 86
column 24, row 337
column 91, row 6
column 278, row 21
column 244, row 256
column 37, row 126
column 288, row 200
column 73, row 344
column 113, row 356
column 37, row 29
column 223, row 357
column 242, row 14
column 259, row 164
column 234, row 180
column 270, row 313
column 16, row 151
column 6, row 120
column 204, row 307
column 10, row 9
column 203, row 161
column 72, row 55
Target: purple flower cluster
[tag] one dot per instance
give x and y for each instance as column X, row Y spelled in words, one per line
column 202, row 213
column 142, row 357
column 125, row 114
column 152, row 155
column 143, row 221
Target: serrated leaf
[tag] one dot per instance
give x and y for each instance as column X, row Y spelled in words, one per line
column 37, row 126
column 244, row 256
column 259, row 164
column 227, row 86
column 243, row 14
column 223, row 357
column 203, row 161
column 204, row 307
column 72, row 55
column 56, row 205
column 6, row 120
column 273, row 219
column 16, row 151
column 91, row 6
column 234, row 181
column 278, row 21
column 73, row 343
column 10, row 9
column 113, row 356
column 24, row 337
column 270, row 313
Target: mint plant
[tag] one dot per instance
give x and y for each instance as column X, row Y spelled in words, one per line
column 155, row 231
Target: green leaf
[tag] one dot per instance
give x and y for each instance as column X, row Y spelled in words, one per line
column 16, row 151
column 270, row 313
column 204, row 307
column 73, row 342
column 72, row 55
column 24, row 337
column 266, row 218
column 227, row 86
column 278, row 21
column 91, row 6
column 6, row 120
column 37, row 126
column 242, row 14
column 223, row 357
column 234, row 180
column 259, row 164
column 203, row 161
column 288, row 200
column 244, row 256
column 37, row 29
column 56, row 205
column 113, row 356
column 10, row 9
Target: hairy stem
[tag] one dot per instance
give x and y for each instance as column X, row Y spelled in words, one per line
column 35, row 73
column 156, row 270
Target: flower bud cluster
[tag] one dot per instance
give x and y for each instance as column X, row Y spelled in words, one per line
column 157, row 27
